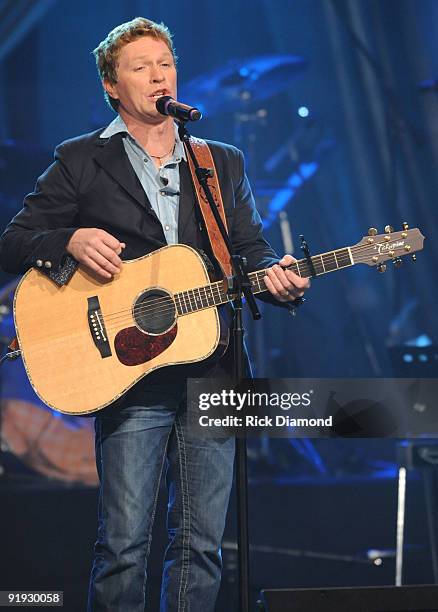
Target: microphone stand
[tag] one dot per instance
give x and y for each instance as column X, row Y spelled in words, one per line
column 238, row 284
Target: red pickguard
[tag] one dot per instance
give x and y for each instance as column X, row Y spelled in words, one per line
column 134, row 347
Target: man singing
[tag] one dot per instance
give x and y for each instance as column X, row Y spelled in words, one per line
column 117, row 194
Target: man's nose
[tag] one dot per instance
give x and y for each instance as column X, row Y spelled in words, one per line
column 156, row 74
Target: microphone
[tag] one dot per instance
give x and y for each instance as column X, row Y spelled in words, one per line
column 182, row 112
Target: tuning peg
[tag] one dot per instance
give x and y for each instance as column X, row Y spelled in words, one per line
column 414, row 257
column 372, row 231
column 381, row 267
column 405, row 226
column 397, row 261
column 388, row 229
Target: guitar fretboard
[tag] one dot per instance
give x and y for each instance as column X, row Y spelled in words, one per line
column 215, row 294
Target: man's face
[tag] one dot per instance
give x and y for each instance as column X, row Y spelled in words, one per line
column 146, row 71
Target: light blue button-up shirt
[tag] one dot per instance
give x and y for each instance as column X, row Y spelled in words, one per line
column 161, row 184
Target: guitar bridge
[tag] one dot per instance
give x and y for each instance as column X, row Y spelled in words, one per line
column 97, row 327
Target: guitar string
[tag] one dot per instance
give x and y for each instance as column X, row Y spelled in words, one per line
column 167, row 305
column 157, row 302
column 170, row 300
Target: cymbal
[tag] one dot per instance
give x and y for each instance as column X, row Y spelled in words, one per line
column 240, row 82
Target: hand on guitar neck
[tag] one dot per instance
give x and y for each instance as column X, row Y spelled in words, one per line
column 96, row 250
column 285, row 285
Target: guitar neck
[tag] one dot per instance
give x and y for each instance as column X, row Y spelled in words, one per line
column 215, row 294
column 318, row 265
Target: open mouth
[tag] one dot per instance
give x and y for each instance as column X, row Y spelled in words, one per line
column 158, row 94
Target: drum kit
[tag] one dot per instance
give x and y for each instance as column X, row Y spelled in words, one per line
column 62, row 448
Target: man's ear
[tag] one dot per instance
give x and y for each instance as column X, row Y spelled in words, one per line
column 110, row 89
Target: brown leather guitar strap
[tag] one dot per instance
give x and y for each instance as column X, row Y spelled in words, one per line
column 205, row 159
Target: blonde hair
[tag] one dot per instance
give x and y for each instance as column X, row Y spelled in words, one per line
column 108, row 51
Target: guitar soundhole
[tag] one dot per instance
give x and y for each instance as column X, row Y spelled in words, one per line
column 154, row 311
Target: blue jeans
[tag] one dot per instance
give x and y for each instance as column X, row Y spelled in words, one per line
column 134, row 444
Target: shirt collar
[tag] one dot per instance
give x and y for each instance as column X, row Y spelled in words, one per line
column 118, row 126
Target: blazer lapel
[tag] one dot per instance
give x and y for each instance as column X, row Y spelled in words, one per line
column 112, row 157
column 186, row 201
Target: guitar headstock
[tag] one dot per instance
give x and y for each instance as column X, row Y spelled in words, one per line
column 375, row 249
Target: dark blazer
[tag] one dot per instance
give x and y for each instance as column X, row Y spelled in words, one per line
column 93, row 184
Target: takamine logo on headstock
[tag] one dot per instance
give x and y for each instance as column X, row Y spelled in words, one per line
column 375, row 249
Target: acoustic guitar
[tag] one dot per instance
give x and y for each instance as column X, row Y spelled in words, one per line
column 86, row 343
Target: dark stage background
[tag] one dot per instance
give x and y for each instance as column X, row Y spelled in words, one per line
column 346, row 142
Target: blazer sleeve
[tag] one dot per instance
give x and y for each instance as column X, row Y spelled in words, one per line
column 247, row 232
column 38, row 234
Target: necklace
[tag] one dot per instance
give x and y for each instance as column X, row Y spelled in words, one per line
column 160, row 157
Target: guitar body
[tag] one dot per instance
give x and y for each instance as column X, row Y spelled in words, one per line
column 81, row 344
